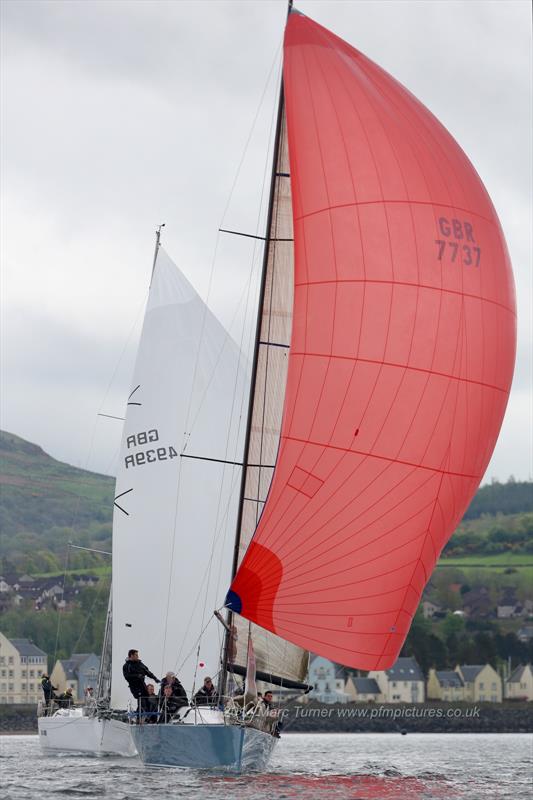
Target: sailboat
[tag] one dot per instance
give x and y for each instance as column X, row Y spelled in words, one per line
column 186, row 375
column 383, row 361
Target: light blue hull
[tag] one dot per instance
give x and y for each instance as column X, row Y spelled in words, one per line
column 230, row 747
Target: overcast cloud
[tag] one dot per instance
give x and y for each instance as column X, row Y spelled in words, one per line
column 121, row 115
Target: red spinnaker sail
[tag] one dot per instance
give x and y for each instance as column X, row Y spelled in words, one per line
column 401, row 359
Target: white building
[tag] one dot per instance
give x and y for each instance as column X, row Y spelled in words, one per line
column 21, row 665
column 327, row 681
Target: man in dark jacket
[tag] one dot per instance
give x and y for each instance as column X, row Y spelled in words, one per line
column 66, row 700
column 207, row 695
column 48, row 691
column 135, row 672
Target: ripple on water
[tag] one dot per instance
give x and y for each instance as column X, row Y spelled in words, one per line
column 305, row 767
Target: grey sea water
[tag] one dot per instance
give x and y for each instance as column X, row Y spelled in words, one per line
column 304, row 767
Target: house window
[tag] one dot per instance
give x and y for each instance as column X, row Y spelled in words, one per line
column 23, row 687
column 10, row 660
column 482, row 698
column 481, row 685
column 394, row 684
column 32, row 673
column 3, row 673
column 493, row 698
column 32, row 687
column 493, row 686
column 4, row 687
column 2, row 659
column 10, row 674
column 10, row 687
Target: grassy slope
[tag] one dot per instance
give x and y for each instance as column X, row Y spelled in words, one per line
column 44, row 503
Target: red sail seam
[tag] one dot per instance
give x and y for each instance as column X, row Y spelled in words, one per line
column 287, row 603
column 413, row 285
column 351, row 584
column 307, row 639
column 324, row 379
column 402, row 366
column 349, row 478
column 342, row 558
column 294, row 563
column 363, row 512
column 419, row 592
column 391, row 259
column 433, row 203
column 384, row 458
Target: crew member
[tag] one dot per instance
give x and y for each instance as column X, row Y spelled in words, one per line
column 135, row 672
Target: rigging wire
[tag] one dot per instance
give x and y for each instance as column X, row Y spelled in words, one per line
column 187, row 433
column 60, row 608
column 256, row 250
column 76, row 511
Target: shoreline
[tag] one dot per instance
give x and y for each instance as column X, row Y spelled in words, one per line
column 428, row 717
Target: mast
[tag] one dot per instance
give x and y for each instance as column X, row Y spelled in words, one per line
column 255, row 361
column 157, row 246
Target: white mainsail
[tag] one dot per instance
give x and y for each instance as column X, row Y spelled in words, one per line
column 174, row 516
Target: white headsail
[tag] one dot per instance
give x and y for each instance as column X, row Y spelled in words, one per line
column 174, row 516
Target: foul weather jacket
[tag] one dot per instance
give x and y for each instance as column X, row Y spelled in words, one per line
column 135, row 672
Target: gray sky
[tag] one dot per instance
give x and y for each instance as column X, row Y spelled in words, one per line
column 118, row 115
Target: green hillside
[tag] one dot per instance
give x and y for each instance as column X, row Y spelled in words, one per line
column 44, row 504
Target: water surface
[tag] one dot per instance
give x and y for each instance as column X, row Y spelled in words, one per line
column 304, row 766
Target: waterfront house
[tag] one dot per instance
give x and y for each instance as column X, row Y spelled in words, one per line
column 446, row 685
column 519, row 684
column 328, row 683
column 401, row 683
column 482, row 684
column 77, row 673
column 362, row 690
column 21, row 665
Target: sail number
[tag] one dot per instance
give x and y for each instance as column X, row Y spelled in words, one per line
column 150, row 455
column 458, row 239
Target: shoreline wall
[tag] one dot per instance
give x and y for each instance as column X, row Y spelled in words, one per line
column 430, row 717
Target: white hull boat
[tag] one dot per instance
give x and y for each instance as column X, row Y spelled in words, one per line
column 71, row 731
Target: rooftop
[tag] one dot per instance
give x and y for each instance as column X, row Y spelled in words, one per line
column 405, row 669
column 26, row 648
column 366, row 686
column 449, row 679
column 470, row 671
column 517, row 673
